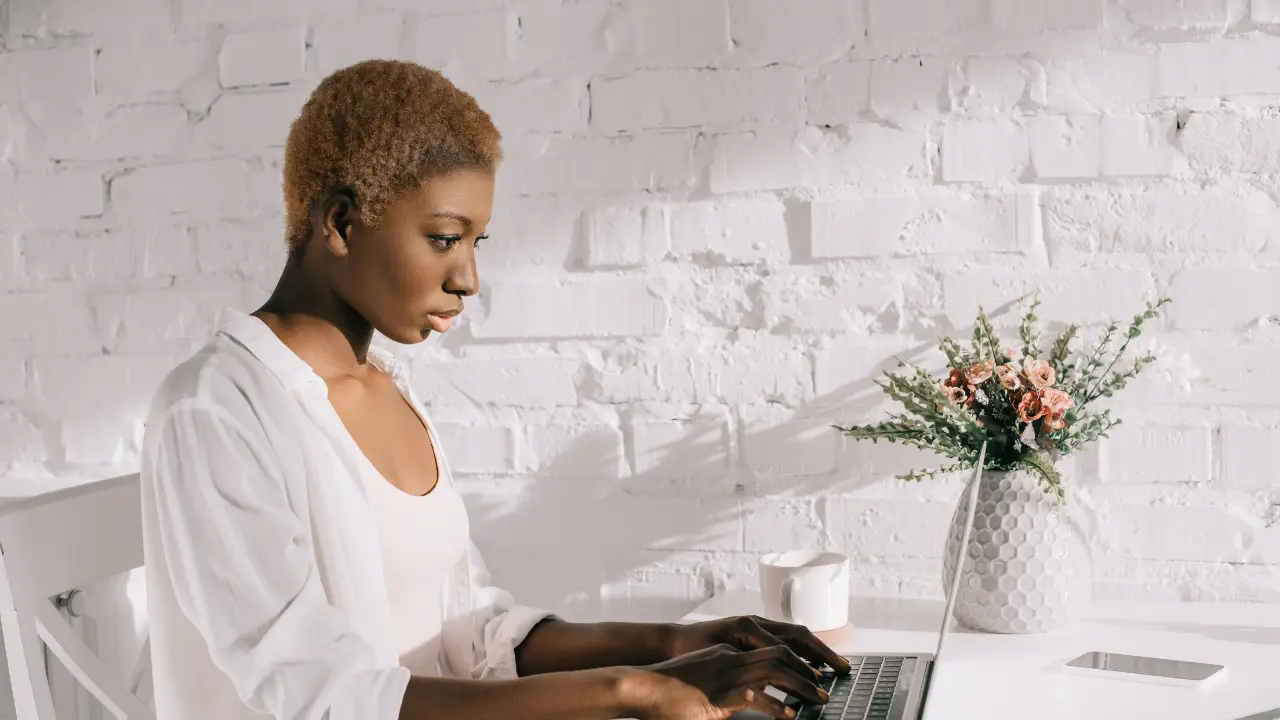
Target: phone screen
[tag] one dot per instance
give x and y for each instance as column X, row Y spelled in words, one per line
column 1152, row 667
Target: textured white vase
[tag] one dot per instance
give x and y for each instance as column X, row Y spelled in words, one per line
column 1027, row 568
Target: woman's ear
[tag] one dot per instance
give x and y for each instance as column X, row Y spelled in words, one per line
column 338, row 214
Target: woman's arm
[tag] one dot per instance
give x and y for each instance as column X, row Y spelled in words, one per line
column 242, row 571
column 712, row 682
column 588, row 695
column 509, row 640
column 245, row 580
column 555, row 645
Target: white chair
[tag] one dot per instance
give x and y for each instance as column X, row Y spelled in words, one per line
column 50, row 545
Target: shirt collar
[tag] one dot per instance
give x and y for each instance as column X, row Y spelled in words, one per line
column 387, row 363
column 292, row 370
column 263, row 343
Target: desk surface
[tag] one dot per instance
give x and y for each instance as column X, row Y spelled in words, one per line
column 1018, row 677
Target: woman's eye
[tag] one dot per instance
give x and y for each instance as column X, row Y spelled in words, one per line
column 446, row 241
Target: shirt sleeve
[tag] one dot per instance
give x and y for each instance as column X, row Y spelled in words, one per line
column 498, row 624
column 244, row 573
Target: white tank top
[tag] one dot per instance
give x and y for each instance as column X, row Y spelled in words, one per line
column 422, row 538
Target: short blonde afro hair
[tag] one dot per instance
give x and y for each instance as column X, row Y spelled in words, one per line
column 378, row 129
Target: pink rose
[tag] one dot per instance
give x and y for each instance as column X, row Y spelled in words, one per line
column 980, row 372
column 954, row 394
column 1054, row 422
column 1056, row 402
column 1008, row 375
column 1039, row 373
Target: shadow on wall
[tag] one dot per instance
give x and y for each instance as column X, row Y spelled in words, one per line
column 575, row 539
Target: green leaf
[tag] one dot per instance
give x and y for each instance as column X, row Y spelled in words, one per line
column 986, row 343
column 955, row 354
column 1117, row 382
column 1028, row 333
column 918, row 475
column 1089, row 373
column 1059, row 355
column 1051, row 479
column 1087, row 428
column 908, row 432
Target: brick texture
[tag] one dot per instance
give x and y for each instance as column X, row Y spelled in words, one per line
column 715, row 223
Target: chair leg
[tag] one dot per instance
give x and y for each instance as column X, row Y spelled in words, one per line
column 142, row 669
column 25, row 653
column 84, row 665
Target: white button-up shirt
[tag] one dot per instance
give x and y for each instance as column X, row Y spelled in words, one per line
column 266, row 596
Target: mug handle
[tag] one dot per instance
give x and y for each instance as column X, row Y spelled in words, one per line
column 789, row 588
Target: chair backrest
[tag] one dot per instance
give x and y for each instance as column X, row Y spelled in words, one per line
column 51, row 544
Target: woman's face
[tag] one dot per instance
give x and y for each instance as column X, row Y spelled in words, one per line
column 409, row 276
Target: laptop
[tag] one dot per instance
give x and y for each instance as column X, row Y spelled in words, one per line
column 885, row 687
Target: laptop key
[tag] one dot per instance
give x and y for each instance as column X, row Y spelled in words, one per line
column 864, row 693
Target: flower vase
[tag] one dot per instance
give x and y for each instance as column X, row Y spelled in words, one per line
column 1027, row 568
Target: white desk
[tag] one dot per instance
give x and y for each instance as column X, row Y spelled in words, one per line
column 1017, row 677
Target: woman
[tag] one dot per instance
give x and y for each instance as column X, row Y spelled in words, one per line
column 307, row 552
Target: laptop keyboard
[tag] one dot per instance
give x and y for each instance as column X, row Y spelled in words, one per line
column 865, row 693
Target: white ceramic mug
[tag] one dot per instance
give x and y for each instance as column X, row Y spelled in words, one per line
column 806, row 587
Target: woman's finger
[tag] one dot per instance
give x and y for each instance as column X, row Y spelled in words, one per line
column 751, row 698
column 776, row 670
column 783, row 655
column 750, row 634
column 755, row 637
column 806, row 645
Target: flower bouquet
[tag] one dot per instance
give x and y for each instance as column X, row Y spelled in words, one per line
column 1024, row 570
column 1030, row 407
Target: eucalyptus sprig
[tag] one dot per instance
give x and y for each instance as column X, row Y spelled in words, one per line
column 1118, row 381
column 1089, row 371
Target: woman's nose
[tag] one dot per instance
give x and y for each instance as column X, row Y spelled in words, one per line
column 463, row 278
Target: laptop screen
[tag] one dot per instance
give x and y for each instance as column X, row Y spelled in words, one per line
column 960, row 551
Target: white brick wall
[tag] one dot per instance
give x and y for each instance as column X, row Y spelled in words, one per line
column 273, row 56
column 1186, row 14
column 984, row 150
column 717, row 99
column 717, row 219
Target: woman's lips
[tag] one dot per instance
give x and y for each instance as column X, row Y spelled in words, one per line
column 440, row 323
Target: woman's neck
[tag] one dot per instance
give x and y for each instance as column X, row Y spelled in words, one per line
column 317, row 325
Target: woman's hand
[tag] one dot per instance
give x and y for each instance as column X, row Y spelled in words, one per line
column 753, row 633
column 717, row 681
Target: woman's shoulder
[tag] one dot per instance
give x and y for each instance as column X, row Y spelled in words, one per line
column 221, row 375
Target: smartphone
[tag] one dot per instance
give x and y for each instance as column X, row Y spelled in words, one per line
column 1146, row 669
